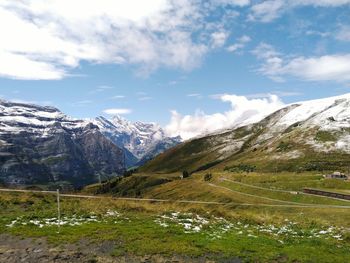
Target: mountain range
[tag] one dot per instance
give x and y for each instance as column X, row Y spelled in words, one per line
column 140, row 141
column 40, row 145
column 311, row 135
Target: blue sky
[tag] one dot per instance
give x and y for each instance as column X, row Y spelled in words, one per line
column 147, row 59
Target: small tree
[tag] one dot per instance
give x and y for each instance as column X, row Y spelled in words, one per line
column 185, row 174
column 207, row 177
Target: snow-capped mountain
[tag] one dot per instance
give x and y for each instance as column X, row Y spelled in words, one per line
column 41, row 145
column 328, row 116
column 141, row 141
column 308, row 135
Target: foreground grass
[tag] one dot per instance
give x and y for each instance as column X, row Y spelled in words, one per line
column 251, row 234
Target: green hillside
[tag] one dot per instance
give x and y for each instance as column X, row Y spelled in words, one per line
column 263, row 147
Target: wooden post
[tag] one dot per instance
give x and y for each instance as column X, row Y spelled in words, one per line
column 58, row 210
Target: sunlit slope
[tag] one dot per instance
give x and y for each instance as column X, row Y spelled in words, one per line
column 309, row 136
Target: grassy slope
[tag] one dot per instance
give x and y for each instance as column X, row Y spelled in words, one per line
column 201, row 153
column 186, row 156
column 273, row 154
column 195, row 188
column 131, row 186
column 137, row 233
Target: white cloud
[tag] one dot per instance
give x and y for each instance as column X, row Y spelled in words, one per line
column 103, row 88
column 344, row 33
column 22, row 67
column 243, row 111
column 233, row 2
column 323, row 68
column 46, row 39
column 317, row 33
column 219, row 39
column 266, row 11
column 117, row 97
column 241, row 42
column 34, row 102
column 194, row 95
column 83, row 102
column 279, row 93
column 116, row 111
column 144, row 98
column 329, row 67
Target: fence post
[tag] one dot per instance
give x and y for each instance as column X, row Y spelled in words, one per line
column 58, row 210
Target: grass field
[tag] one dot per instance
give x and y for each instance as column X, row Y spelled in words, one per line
column 256, row 224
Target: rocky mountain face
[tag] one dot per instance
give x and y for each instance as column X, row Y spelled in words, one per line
column 40, row 145
column 140, row 141
column 306, row 136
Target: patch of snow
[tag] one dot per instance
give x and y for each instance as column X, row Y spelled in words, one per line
column 343, row 143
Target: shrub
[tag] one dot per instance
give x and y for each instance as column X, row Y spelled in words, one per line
column 325, row 136
column 185, row 174
column 241, row 168
column 208, row 177
column 283, row 146
column 207, row 166
column 129, row 172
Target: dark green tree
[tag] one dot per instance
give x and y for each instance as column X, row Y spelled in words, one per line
column 208, row 177
column 185, row 174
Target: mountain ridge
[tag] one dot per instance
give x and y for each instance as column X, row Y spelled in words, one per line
column 141, row 141
column 40, row 145
column 306, row 135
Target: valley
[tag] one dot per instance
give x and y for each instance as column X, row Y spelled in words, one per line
column 237, row 195
column 233, row 216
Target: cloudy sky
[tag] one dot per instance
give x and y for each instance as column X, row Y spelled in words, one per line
column 193, row 66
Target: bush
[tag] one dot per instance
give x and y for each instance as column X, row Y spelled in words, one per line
column 207, row 166
column 185, row 174
column 208, row 177
column 241, row 168
column 129, row 172
column 283, row 146
column 325, row 136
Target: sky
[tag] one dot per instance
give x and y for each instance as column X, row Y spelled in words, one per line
column 192, row 66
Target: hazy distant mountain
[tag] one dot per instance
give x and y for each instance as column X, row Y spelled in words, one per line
column 39, row 145
column 310, row 135
column 140, row 141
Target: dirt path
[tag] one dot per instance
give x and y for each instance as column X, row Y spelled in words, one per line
column 282, row 203
column 281, row 191
column 115, row 198
column 15, row 249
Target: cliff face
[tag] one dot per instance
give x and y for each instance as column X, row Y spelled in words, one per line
column 40, row 145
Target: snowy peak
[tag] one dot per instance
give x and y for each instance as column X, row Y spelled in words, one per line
column 138, row 138
column 39, row 145
column 28, row 110
column 319, row 110
column 20, row 117
column 305, row 136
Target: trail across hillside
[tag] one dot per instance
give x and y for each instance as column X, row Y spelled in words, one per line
column 278, row 190
column 257, row 187
column 285, row 203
